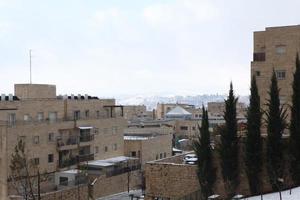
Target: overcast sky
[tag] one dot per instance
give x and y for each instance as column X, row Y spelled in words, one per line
column 117, row 47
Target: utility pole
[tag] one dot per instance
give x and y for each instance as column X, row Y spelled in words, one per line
column 30, row 66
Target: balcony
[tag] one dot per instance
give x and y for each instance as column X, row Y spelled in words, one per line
column 70, row 143
column 86, row 138
column 86, row 157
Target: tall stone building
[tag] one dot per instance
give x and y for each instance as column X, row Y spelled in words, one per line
column 58, row 131
column 275, row 48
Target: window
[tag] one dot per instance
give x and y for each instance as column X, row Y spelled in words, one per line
column 52, row 116
column 51, row 137
column 105, row 148
column 115, row 147
column 97, row 149
column 114, row 130
column 280, row 74
column 280, row 49
column 194, row 128
column 26, row 117
column 160, row 156
column 259, row 57
column 257, row 73
column 165, row 155
column 36, row 139
column 133, row 154
column 183, row 128
column 63, row 181
column 76, row 114
column 12, row 119
column 36, row 161
column 156, row 157
column 40, row 116
column 87, row 113
column 50, row 158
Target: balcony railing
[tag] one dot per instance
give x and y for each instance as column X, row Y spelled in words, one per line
column 86, row 157
column 69, row 141
column 86, row 138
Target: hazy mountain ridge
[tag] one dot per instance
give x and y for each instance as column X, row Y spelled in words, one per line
column 197, row 100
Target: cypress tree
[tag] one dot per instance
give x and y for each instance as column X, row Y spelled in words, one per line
column 253, row 159
column 275, row 118
column 229, row 145
column 206, row 171
column 295, row 127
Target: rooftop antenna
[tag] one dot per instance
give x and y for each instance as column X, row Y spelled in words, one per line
column 30, row 65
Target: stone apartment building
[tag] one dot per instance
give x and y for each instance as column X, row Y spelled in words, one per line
column 57, row 130
column 275, row 48
column 134, row 112
column 217, row 109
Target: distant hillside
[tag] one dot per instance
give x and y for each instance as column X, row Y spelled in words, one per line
column 151, row 101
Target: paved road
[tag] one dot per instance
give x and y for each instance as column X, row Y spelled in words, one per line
column 123, row 196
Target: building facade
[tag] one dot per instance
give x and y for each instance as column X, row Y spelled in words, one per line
column 58, row 131
column 275, row 48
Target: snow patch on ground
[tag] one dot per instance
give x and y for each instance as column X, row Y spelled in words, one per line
column 295, row 195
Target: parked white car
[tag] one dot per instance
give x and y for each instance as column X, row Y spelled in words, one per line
column 190, row 159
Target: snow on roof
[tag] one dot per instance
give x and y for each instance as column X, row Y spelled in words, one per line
column 71, row 171
column 132, row 137
column 85, row 127
column 109, row 162
column 178, row 111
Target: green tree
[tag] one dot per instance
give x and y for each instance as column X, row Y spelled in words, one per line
column 253, row 160
column 295, row 127
column 229, row 145
column 275, row 118
column 206, row 171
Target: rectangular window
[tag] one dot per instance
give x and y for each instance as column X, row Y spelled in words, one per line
column 184, row 128
column 160, row 155
column 156, row 157
column 63, row 181
column 50, row 158
column 280, row 49
column 133, row 154
column 97, row 149
column 40, row 116
column 259, row 57
column 76, row 114
column 165, row 155
column 87, row 113
column 105, row 149
column 36, row 139
column 280, row 74
column 257, row 73
column 26, row 117
column 114, row 130
column 52, row 116
column 115, row 147
column 51, row 137
column 12, row 119
column 36, row 161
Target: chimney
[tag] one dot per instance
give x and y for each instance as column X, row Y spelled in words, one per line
column 2, row 97
column 86, row 96
column 10, row 97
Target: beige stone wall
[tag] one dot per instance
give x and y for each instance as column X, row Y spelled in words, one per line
column 218, row 108
column 105, row 186
column 134, row 112
column 187, row 128
column 158, row 147
column 74, row 193
column 35, row 91
column 267, row 42
column 170, row 180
